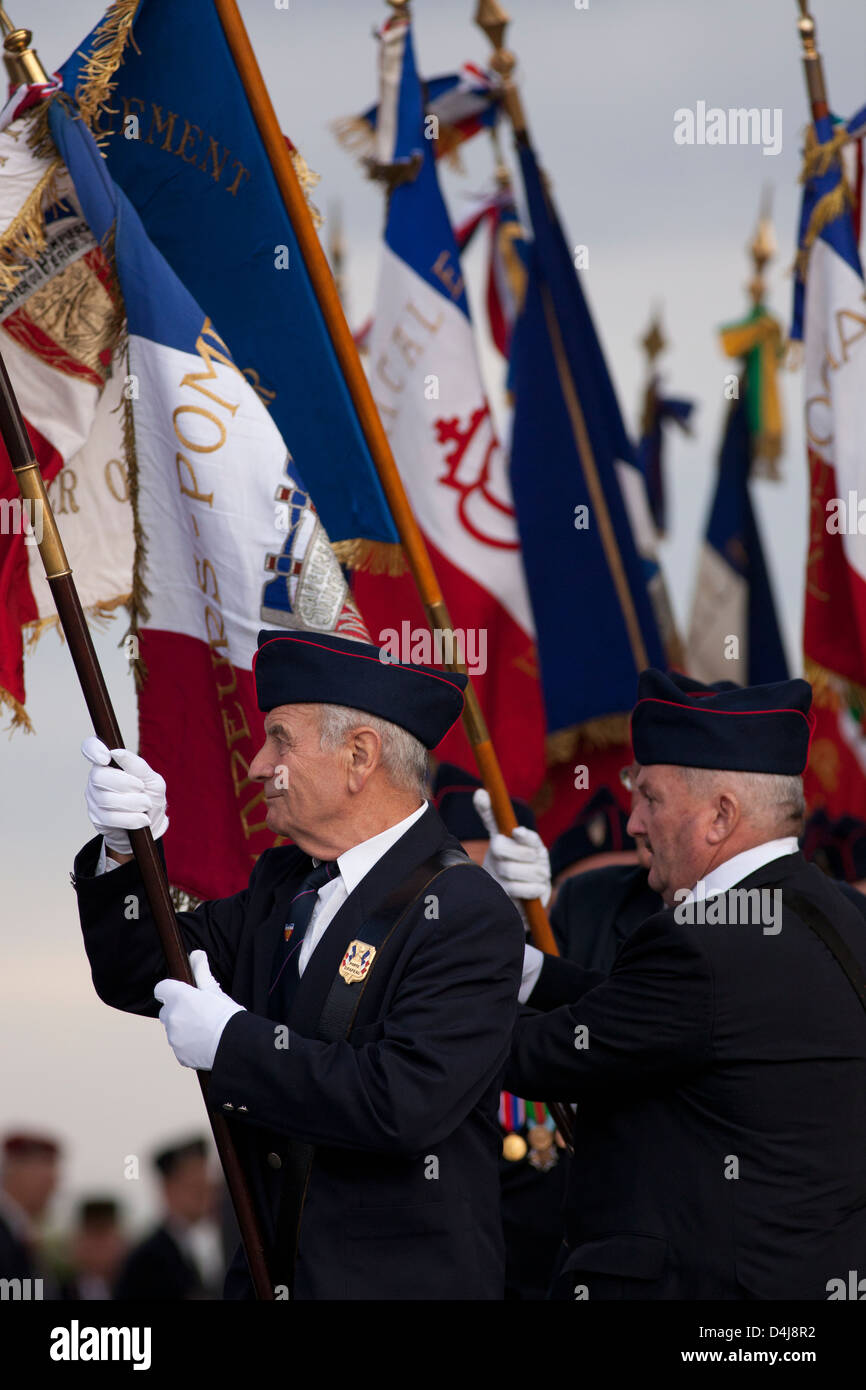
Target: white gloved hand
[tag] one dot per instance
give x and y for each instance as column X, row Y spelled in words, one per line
column 127, row 797
column 194, row 1018
column 519, row 862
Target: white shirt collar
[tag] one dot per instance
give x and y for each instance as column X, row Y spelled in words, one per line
column 739, row 866
column 357, row 862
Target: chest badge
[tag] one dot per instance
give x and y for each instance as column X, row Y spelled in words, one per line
column 356, row 962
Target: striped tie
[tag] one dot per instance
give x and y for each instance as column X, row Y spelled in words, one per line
column 285, row 972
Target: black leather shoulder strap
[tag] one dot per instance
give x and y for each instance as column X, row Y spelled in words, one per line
column 823, row 928
column 341, row 1005
column 335, row 1022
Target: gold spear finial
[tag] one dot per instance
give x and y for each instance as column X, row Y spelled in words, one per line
column 654, row 341
column 493, row 21
column 22, row 62
column 762, row 247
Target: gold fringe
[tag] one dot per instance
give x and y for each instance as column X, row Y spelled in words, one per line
column 138, row 610
column 24, row 238
column 181, row 900
column 20, row 717
column 40, row 141
column 101, row 614
column 831, row 690
column 393, row 175
column 307, row 178
column 109, row 45
column 603, row 732
column 355, row 134
column 376, row 557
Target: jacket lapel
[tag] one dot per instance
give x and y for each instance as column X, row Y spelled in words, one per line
column 269, row 933
column 416, row 845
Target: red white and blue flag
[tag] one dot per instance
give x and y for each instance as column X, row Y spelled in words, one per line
column 426, row 381
column 462, row 103
column 226, row 538
column 829, row 316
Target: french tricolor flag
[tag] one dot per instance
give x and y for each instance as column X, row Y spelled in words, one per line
column 227, row 541
column 426, row 381
column 834, row 312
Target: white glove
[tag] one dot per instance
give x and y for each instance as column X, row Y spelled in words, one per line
column 194, row 1018
column 127, row 797
column 519, row 862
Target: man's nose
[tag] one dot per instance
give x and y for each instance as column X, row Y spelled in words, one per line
column 260, row 768
column 635, row 825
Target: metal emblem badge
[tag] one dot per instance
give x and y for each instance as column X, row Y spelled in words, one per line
column 356, row 962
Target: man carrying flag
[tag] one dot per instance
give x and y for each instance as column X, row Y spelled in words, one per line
column 355, row 1002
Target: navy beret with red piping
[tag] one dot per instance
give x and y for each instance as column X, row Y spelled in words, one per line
column 299, row 668
column 758, row 728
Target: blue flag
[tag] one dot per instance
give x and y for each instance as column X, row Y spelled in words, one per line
column 181, row 142
column 595, row 623
column 733, row 597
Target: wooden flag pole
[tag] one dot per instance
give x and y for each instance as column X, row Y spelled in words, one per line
column 355, row 377
column 812, row 65
column 62, row 585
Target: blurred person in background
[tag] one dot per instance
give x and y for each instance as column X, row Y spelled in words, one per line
column 181, row 1258
column 29, row 1174
column 97, row 1246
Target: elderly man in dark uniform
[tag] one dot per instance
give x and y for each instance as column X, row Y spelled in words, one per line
column 719, row 1071
column 355, row 1002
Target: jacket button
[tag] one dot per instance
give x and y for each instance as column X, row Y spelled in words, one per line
column 227, row 1105
column 275, row 1161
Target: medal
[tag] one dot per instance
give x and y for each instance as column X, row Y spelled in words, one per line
column 542, row 1149
column 513, row 1147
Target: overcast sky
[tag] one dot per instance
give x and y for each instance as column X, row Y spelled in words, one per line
column 663, row 223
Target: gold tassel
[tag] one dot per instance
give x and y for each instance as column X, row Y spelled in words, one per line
column 376, row 557
column 825, row 211
column 818, row 158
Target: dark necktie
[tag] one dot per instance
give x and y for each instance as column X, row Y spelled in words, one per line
column 285, row 972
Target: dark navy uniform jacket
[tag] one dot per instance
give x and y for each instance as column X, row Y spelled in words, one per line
column 403, row 1197
column 721, row 1104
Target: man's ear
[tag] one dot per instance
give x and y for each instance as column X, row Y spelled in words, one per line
column 727, row 816
column 364, row 756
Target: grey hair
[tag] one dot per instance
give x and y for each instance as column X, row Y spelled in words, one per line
column 771, row 798
column 404, row 757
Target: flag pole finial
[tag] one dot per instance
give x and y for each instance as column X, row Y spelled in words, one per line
column 812, row 65
column 654, row 341
column 22, row 62
column 493, row 21
column 762, row 247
